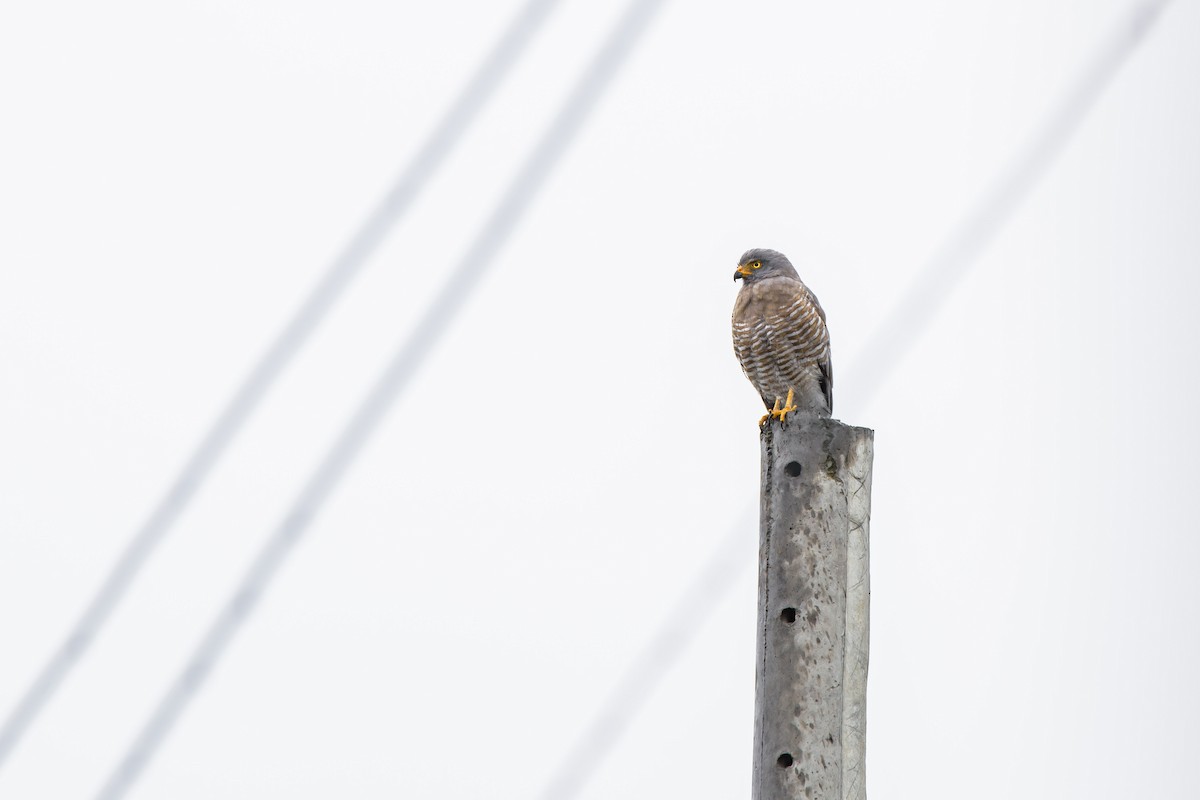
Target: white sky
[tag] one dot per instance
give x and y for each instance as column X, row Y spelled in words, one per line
column 173, row 179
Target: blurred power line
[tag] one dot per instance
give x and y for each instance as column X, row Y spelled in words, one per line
column 912, row 315
column 289, row 341
column 398, row 373
column 698, row 602
column 895, row 336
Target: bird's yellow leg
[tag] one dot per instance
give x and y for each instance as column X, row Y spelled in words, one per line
column 774, row 412
column 788, row 407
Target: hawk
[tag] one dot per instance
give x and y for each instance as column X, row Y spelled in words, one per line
column 780, row 337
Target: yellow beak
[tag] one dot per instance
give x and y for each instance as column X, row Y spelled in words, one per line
column 742, row 271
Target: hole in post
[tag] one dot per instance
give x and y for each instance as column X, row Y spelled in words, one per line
column 788, row 615
column 792, row 468
column 784, row 760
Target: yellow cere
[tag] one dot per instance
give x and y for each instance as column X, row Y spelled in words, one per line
column 749, row 266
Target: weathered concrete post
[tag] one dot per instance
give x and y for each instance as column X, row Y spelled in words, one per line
column 813, row 606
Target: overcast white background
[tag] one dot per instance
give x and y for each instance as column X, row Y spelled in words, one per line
column 175, row 177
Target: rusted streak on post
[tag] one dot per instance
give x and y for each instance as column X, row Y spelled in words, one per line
column 810, row 704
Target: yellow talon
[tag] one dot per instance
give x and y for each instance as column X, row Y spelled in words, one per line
column 774, row 412
column 781, row 409
column 788, row 407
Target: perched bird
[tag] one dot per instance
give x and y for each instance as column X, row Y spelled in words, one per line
column 780, row 337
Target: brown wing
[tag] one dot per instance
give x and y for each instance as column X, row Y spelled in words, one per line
column 825, row 364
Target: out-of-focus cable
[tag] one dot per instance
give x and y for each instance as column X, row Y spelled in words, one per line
column 398, row 373
column 894, row 337
column 912, row 314
column 255, row 386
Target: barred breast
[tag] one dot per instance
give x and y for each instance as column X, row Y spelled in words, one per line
column 781, row 340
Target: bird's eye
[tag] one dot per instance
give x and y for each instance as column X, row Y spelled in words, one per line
column 756, row 265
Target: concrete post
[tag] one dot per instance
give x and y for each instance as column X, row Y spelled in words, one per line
column 813, row 604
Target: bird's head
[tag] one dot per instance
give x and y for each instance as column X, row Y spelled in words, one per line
column 760, row 263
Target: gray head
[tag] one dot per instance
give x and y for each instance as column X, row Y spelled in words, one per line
column 760, row 263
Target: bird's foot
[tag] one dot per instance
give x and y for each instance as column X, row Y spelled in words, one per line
column 771, row 414
column 788, row 408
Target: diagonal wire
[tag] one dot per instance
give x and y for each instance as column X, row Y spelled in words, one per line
column 895, row 336
column 911, row 316
column 640, row 680
column 288, row 342
column 398, row 373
